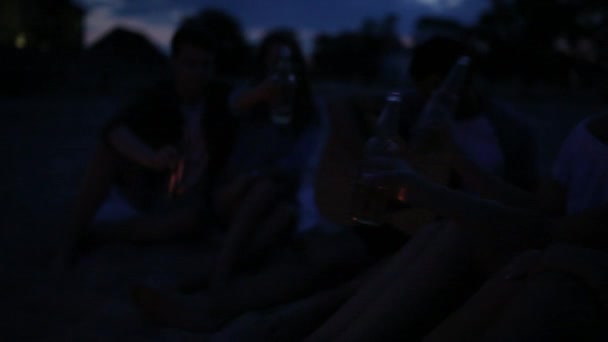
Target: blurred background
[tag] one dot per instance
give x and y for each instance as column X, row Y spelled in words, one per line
column 67, row 66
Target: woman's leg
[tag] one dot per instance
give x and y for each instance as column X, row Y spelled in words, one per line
column 98, row 180
column 373, row 288
column 425, row 290
column 275, row 229
column 552, row 307
column 257, row 202
column 292, row 275
column 470, row 321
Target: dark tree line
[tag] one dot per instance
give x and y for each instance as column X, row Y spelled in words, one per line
column 544, row 40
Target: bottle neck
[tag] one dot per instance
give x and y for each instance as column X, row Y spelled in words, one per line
column 388, row 122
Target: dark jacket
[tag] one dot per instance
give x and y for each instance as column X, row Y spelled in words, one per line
column 155, row 117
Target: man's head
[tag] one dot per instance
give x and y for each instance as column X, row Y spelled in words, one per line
column 192, row 53
column 432, row 60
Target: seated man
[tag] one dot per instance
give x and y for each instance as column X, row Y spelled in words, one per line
column 493, row 136
column 152, row 173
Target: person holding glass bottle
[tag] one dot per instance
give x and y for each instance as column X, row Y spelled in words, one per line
column 279, row 132
column 151, row 177
column 444, row 263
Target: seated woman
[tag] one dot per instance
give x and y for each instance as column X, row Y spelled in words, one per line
column 258, row 203
column 268, row 193
column 421, row 285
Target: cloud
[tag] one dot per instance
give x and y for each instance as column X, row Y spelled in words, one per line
column 102, row 19
column 159, row 18
column 255, row 34
column 438, row 5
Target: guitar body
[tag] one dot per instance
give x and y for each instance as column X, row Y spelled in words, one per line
column 343, row 151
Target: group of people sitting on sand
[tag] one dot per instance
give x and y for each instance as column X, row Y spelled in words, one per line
column 500, row 253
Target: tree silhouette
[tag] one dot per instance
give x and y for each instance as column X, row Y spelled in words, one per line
column 356, row 55
column 522, row 36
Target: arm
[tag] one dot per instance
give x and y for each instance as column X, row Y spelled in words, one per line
column 478, row 213
column 549, row 198
column 250, row 97
column 472, row 209
column 493, row 187
column 130, row 146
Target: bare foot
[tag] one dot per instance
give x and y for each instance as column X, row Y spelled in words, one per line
column 172, row 310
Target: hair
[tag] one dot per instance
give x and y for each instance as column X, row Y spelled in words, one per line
column 189, row 34
column 435, row 56
column 305, row 111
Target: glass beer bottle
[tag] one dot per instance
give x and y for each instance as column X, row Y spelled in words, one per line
column 282, row 109
column 370, row 203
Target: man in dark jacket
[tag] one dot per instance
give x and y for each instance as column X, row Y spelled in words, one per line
column 151, row 177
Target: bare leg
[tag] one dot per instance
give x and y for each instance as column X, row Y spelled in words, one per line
column 258, row 201
column 179, row 222
column 479, row 312
column 98, row 180
column 293, row 321
column 552, row 307
column 277, row 227
column 428, row 288
column 229, row 197
column 174, row 310
column 290, row 278
column 377, row 285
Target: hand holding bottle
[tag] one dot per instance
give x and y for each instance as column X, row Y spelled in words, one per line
column 433, row 130
column 370, row 202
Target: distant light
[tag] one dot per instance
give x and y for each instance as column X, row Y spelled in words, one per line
column 20, row 41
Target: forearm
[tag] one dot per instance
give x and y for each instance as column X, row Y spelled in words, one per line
column 130, row 146
column 491, row 186
column 471, row 209
column 247, row 99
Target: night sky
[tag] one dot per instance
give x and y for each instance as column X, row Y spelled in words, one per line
column 158, row 18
